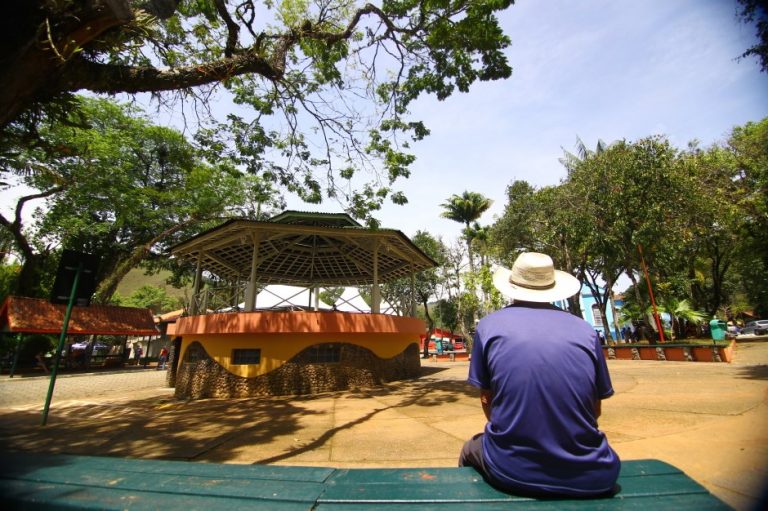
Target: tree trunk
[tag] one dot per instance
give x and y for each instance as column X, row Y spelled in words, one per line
column 108, row 286
column 430, row 321
column 615, row 315
column 31, row 274
column 29, row 69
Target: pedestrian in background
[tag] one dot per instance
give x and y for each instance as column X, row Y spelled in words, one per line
column 161, row 360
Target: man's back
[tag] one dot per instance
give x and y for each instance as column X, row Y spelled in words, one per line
column 546, row 373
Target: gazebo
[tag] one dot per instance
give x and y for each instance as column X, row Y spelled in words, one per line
column 247, row 350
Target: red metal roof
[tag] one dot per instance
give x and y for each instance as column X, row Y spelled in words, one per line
column 35, row 315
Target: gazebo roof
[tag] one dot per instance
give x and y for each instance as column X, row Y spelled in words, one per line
column 304, row 249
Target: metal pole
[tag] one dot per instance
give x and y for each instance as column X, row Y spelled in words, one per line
column 375, row 291
column 650, row 292
column 57, row 355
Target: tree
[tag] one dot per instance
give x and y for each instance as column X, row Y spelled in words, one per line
column 515, row 230
column 749, row 146
column 328, row 83
column 570, row 161
column 9, row 273
column 150, row 297
column 426, row 282
column 756, row 11
column 331, row 295
column 424, row 285
column 116, row 186
column 681, row 313
column 712, row 228
column 466, row 208
column 545, row 220
column 632, row 194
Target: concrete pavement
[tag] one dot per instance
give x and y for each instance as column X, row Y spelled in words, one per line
column 710, row 420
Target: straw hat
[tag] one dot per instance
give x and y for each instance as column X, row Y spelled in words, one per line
column 533, row 278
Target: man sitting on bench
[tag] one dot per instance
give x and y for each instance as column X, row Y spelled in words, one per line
column 541, row 374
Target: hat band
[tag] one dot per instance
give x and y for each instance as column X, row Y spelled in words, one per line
column 532, row 286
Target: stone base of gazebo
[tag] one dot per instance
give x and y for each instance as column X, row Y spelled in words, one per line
column 358, row 367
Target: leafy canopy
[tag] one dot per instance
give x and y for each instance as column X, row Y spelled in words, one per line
column 327, row 83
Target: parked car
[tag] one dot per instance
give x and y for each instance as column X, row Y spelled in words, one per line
column 759, row 327
column 96, row 347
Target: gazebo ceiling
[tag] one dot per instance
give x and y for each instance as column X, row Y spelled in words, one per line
column 304, row 249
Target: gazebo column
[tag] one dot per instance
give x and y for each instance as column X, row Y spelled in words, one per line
column 375, row 291
column 316, row 296
column 413, row 292
column 250, row 293
column 197, row 284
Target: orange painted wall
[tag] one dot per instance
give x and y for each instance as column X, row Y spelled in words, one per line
column 282, row 335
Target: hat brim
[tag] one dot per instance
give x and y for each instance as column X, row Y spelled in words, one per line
column 566, row 285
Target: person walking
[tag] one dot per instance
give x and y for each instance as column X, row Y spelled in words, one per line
column 163, row 358
column 542, row 376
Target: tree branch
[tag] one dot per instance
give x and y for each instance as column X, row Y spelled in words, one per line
column 83, row 74
column 233, row 29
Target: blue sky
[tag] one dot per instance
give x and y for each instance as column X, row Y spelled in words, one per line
column 595, row 69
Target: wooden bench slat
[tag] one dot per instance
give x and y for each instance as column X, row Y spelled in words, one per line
column 443, row 475
column 697, row 502
column 144, row 466
column 31, row 496
column 34, row 481
column 255, row 489
column 644, row 479
column 635, row 468
column 105, row 473
column 651, row 486
column 436, row 475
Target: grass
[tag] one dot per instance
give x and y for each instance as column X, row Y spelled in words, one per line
column 136, row 278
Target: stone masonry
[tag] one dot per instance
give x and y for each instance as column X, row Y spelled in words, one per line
column 358, row 367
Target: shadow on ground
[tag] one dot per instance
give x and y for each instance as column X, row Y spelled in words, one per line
column 756, row 372
column 167, row 428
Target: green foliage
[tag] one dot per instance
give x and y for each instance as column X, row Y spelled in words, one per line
column 31, row 345
column 749, row 146
column 118, row 187
column 699, row 216
column 9, row 274
column 328, row 84
column 330, row 295
column 447, row 314
column 424, row 286
column 756, row 11
column 466, row 208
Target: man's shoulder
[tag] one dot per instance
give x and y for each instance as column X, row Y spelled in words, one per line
column 537, row 312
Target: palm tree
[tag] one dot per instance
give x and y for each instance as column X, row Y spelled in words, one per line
column 681, row 313
column 570, row 161
column 466, row 208
column 478, row 237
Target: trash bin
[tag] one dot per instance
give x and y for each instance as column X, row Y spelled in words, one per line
column 718, row 328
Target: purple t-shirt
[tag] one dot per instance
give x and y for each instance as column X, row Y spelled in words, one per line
column 546, row 371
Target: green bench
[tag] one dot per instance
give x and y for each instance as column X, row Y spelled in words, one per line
column 36, row 481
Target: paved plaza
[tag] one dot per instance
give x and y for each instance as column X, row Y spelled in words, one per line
column 710, row 420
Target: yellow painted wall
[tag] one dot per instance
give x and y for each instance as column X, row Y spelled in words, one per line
column 276, row 349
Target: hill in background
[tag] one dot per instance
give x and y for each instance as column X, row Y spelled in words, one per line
column 136, row 278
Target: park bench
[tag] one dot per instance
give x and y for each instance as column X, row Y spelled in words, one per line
column 451, row 355
column 37, row 481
